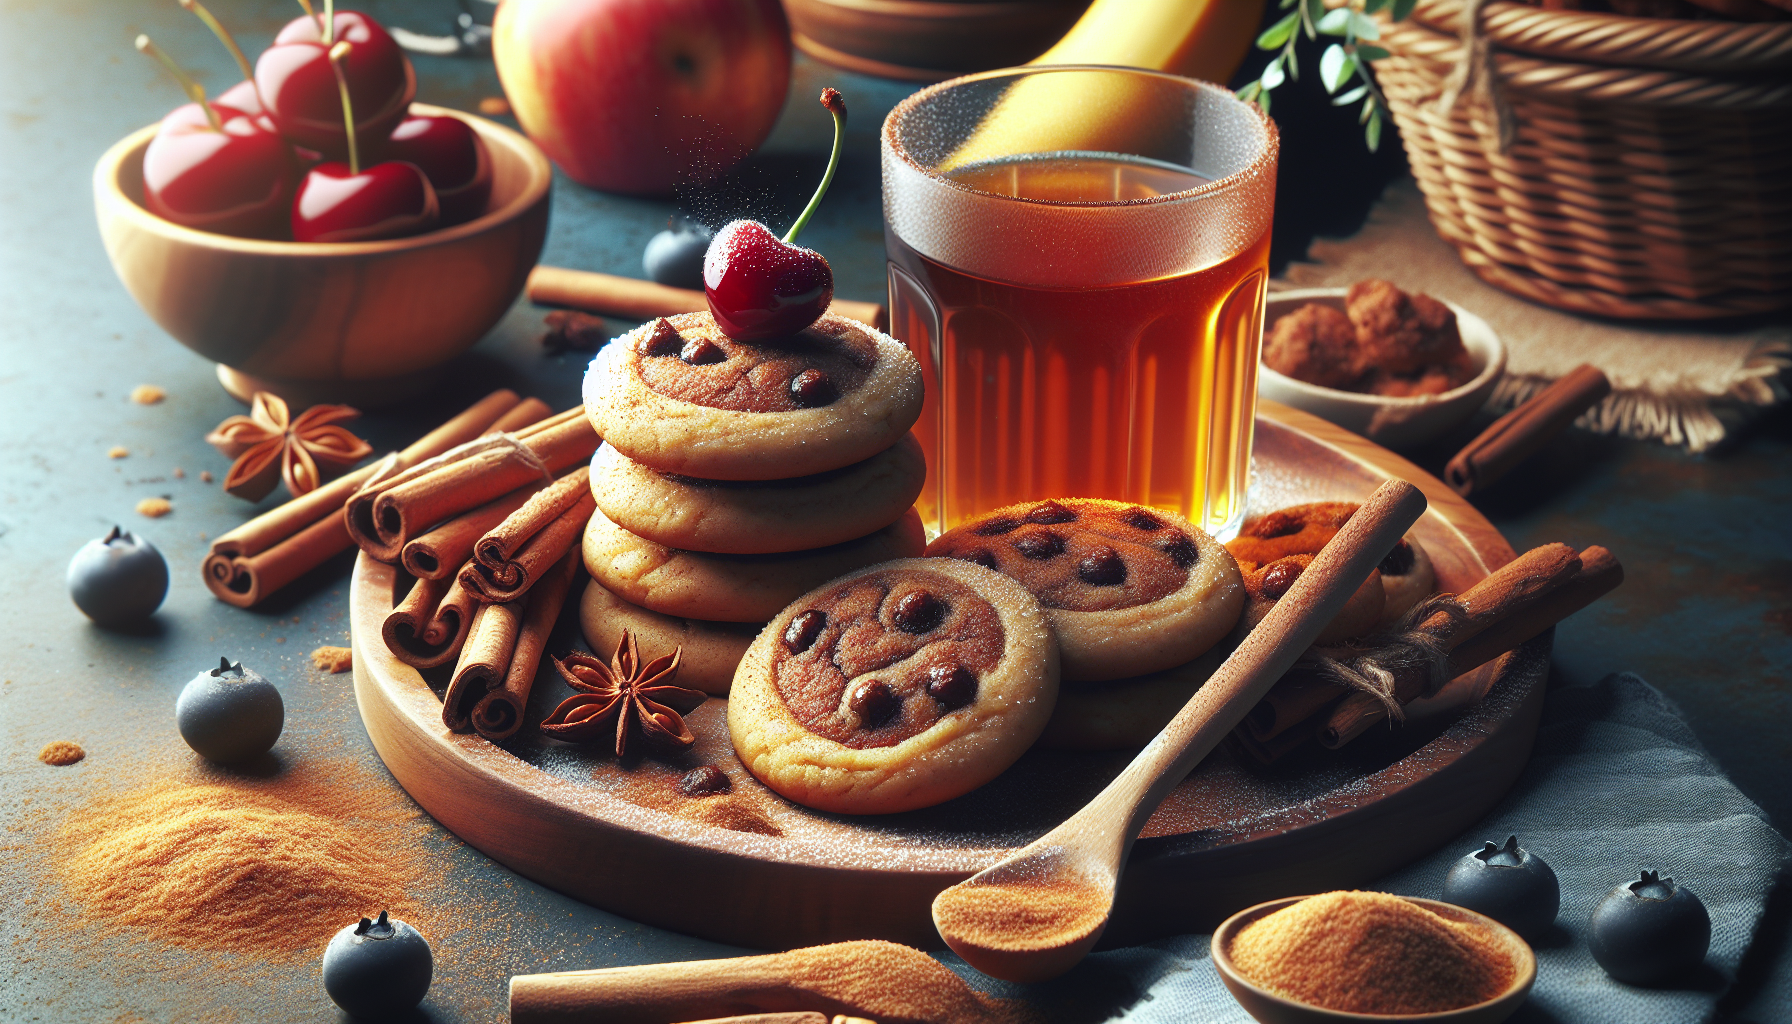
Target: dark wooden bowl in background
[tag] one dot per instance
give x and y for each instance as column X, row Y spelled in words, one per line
column 928, row 40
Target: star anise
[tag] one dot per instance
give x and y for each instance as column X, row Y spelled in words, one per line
column 626, row 697
column 269, row 446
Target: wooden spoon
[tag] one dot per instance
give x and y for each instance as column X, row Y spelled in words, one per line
column 1035, row 914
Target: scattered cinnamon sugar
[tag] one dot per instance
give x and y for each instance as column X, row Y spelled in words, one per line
column 1030, row 914
column 1369, row 952
column 494, row 106
column 118, row 451
column 61, row 753
column 147, row 394
column 154, row 508
column 333, row 659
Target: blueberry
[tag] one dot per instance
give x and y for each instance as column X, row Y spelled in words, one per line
column 1650, row 931
column 118, row 580
column 1508, row 884
column 229, row 713
column 378, row 969
column 675, row 255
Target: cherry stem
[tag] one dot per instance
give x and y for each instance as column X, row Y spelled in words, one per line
column 337, row 52
column 329, row 22
column 311, row 12
column 224, row 37
column 194, row 90
column 830, row 98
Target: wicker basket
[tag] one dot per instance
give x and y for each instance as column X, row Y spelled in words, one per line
column 1649, row 169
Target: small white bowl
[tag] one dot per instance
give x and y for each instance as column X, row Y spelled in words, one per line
column 1391, row 422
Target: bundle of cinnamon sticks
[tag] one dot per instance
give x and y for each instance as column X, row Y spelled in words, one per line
column 1334, row 696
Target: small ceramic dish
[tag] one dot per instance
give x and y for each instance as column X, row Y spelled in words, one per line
column 1390, row 422
column 1269, row 1008
column 360, row 322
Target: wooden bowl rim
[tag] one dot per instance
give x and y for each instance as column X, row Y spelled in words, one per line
column 1524, row 959
column 1496, row 360
column 535, row 188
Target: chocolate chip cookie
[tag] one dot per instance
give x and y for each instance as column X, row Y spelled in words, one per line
column 897, row 687
column 1274, row 548
column 680, row 396
column 1128, row 589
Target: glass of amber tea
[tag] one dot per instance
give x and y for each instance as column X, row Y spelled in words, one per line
column 1077, row 257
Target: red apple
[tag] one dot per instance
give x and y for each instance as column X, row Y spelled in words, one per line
column 638, row 96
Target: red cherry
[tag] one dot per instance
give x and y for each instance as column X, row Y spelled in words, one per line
column 759, row 287
column 450, row 153
column 389, row 200
column 298, row 87
column 234, row 181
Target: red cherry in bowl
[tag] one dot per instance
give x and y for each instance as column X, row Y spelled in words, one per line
column 335, row 203
column 451, row 155
column 760, row 286
column 298, row 86
column 234, row 179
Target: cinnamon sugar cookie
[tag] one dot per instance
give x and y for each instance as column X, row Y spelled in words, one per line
column 730, row 588
column 759, row 517
column 900, row 686
column 1406, row 575
column 682, row 397
column 1124, row 714
column 712, row 650
column 1127, row 589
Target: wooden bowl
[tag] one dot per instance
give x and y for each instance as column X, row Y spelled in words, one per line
column 362, row 322
column 1393, row 422
column 928, row 40
column 1270, row 1008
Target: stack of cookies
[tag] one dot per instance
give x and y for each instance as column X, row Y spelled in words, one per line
column 737, row 476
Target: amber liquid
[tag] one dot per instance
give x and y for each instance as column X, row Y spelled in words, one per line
column 1144, row 392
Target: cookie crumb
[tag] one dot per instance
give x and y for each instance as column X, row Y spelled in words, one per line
column 147, row 394
column 61, row 753
column 179, row 473
column 154, row 508
column 205, row 476
column 494, row 106
column 117, row 451
column 333, row 659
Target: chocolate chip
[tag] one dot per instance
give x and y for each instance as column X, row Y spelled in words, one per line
column 982, row 556
column 813, row 389
column 800, row 635
column 661, row 341
column 952, row 685
column 996, row 527
column 1398, row 561
column 873, row 701
column 705, row 781
column 919, row 612
column 1102, row 568
column 1050, row 512
column 1040, row 546
column 1139, row 519
column 1182, row 551
column 1279, row 577
column 702, row 352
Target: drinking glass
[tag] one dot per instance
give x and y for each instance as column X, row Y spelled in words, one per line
column 1077, row 258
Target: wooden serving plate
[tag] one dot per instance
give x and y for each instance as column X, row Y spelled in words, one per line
column 755, row 870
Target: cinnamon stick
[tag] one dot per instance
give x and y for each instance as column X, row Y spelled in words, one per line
column 514, row 576
column 384, row 517
column 430, row 626
column 441, row 552
column 771, row 1018
column 635, row 299
column 1520, row 433
column 527, row 413
column 268, row 552
column 499, row 714
column 484, row 659
column 495, row 550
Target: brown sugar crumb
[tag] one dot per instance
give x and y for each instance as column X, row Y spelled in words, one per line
column 1316, row 344
column 571, row 331
column 205, row 476
column 179, row 473
column 61, row 753
column 494, row 106
column 1369, row 952
column 154, row 508
column 333, row 659
column 147, row 394
column 1387, row 343
column 118, row 451
column 1021, row 915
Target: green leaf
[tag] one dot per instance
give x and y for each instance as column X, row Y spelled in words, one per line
column 1248, row 91
column 1363, row 26
column 1292, row 65
column 1285, row 4
column 1364, row 53
column 1263, row 104
column 1335, row 67
column 1277, row 34
column 1403, row 8
column 1315, row 11
column 1371, row 6
column 1272, row 76
column 1335, row 23
column 1368, row 109
column 1350, row 97
column 1372, row 134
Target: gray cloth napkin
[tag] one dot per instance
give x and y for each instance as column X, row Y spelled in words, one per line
column 1617, row 783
